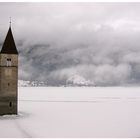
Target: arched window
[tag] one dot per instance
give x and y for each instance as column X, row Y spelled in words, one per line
column 8, row 62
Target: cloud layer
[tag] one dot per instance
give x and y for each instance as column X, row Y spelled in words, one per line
column 100, row 42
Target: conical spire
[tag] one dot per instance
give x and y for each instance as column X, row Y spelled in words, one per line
column 9, row 46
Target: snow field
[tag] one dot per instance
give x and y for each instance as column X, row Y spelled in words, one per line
column 75, row 112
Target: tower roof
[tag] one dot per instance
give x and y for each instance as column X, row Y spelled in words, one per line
column 9, row 46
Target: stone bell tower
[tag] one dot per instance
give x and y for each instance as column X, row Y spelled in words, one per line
column 8, row 76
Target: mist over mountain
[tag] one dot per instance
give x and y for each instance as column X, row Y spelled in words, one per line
column 89, row 43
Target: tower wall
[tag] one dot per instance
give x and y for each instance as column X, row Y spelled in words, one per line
column 8, row 83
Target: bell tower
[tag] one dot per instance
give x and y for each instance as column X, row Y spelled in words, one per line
column 8, row 76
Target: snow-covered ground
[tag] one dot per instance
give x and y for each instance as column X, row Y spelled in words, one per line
column 75, row 112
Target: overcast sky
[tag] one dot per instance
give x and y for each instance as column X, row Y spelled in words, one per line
column 99, row 42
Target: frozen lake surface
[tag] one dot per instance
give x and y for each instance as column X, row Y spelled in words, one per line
column 75, row 113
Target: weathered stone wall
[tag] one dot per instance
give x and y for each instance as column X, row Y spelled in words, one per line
column 8, row 105
column 4, row 58
column 8, row 84
column 8, row 81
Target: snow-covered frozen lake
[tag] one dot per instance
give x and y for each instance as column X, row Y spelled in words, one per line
column 75, row 112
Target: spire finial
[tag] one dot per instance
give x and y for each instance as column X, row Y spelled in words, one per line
column 10, row 22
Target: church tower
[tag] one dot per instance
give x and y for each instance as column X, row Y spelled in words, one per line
column 8, row 76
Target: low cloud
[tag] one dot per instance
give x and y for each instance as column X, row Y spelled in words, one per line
column 96, row 41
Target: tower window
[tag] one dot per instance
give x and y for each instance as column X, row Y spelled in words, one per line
column 8, row 61
column 8, row 84
column 10, row 104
